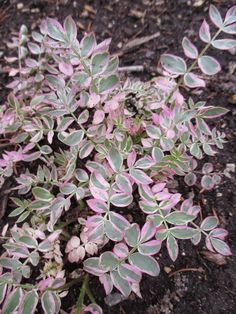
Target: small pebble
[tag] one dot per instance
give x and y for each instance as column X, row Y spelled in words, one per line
column 20, row 6
column 230, row 167
column 167, row 269
column 198, row 3
column 119, row 45
column 35, row 10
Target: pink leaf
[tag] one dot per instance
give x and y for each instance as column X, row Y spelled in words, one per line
column 131, row 158
column 121, row 250
column 148, row 231
column 150, row 248
column 192, row 80
column 66, row 68
column 98, row 117
column 230, row 16
column 105, row 279
column 209, row 65
column 190, row 49
column 215, row 16
column 98, row 206
column 99, row 193
column 204, row 32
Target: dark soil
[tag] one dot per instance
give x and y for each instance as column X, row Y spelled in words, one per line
column 210, row 288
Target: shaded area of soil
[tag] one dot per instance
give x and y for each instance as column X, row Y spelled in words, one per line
column 211, row 289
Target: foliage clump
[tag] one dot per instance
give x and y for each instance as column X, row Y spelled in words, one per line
column 86, row 149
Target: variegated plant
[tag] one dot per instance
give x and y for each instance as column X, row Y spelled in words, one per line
column 86, row 149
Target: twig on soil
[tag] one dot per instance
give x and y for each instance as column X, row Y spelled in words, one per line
column 136, row 42
column 3, row 206
column 6, row 144
column 3, row 14
column 200, row 270
column 230, row 291
column 132, row 68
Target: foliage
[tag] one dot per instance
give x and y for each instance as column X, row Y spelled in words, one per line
column 84, row 147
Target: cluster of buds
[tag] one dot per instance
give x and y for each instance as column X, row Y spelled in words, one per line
column 76, row 249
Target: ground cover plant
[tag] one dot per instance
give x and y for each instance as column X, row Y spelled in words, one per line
column 89, row 146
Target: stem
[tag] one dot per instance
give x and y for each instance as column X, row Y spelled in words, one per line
column 82, row 128
column 86, row 68
column 192, row 66
column 65, row 286
column 45, row 156
column 193, row 224
column 90, row 295
column 80, row 302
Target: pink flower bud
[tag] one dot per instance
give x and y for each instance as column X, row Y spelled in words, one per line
column 80, row 253
column 91, row 248
column 73, row 243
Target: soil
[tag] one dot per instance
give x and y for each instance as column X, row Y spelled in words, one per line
column 208, row 288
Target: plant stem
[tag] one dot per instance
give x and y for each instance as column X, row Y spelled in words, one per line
column 90, row 295
column 86, row 68
column 80, row 302
column 192, row 66
column 66, row 286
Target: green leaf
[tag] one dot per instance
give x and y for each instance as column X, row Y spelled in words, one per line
column 179, row 218
column 23, row 217
column 54, row 31
column 45, row 149
column 145, row 264
column 183, row 233
column 215, row 16
column 70, row 29
column 112, row 232
column 209, row 223
column 172, row 247
column 209, row 65
column 29, row 303
column 121, row 284
column 115, row 159
column 42, row 194
column 3, row 289
column 124, row 183
column 108, row 261
column 129, row 273
column 121, row 199
column 12, row 302
column 99, row 63
column 74, row 138
column 224, row 44
column 68, row 188
column 87, row 45
column 157, row 154
column 132, row 235
column 17, row 211
column 140, row 176
column 112, row 65
column 48, row 303
column 153, row 131
column 213, row 112
column 173, row 64
column 220, row 246
column 10, row 263
column 157, row 219
column 29, row 241
column 108, row 84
